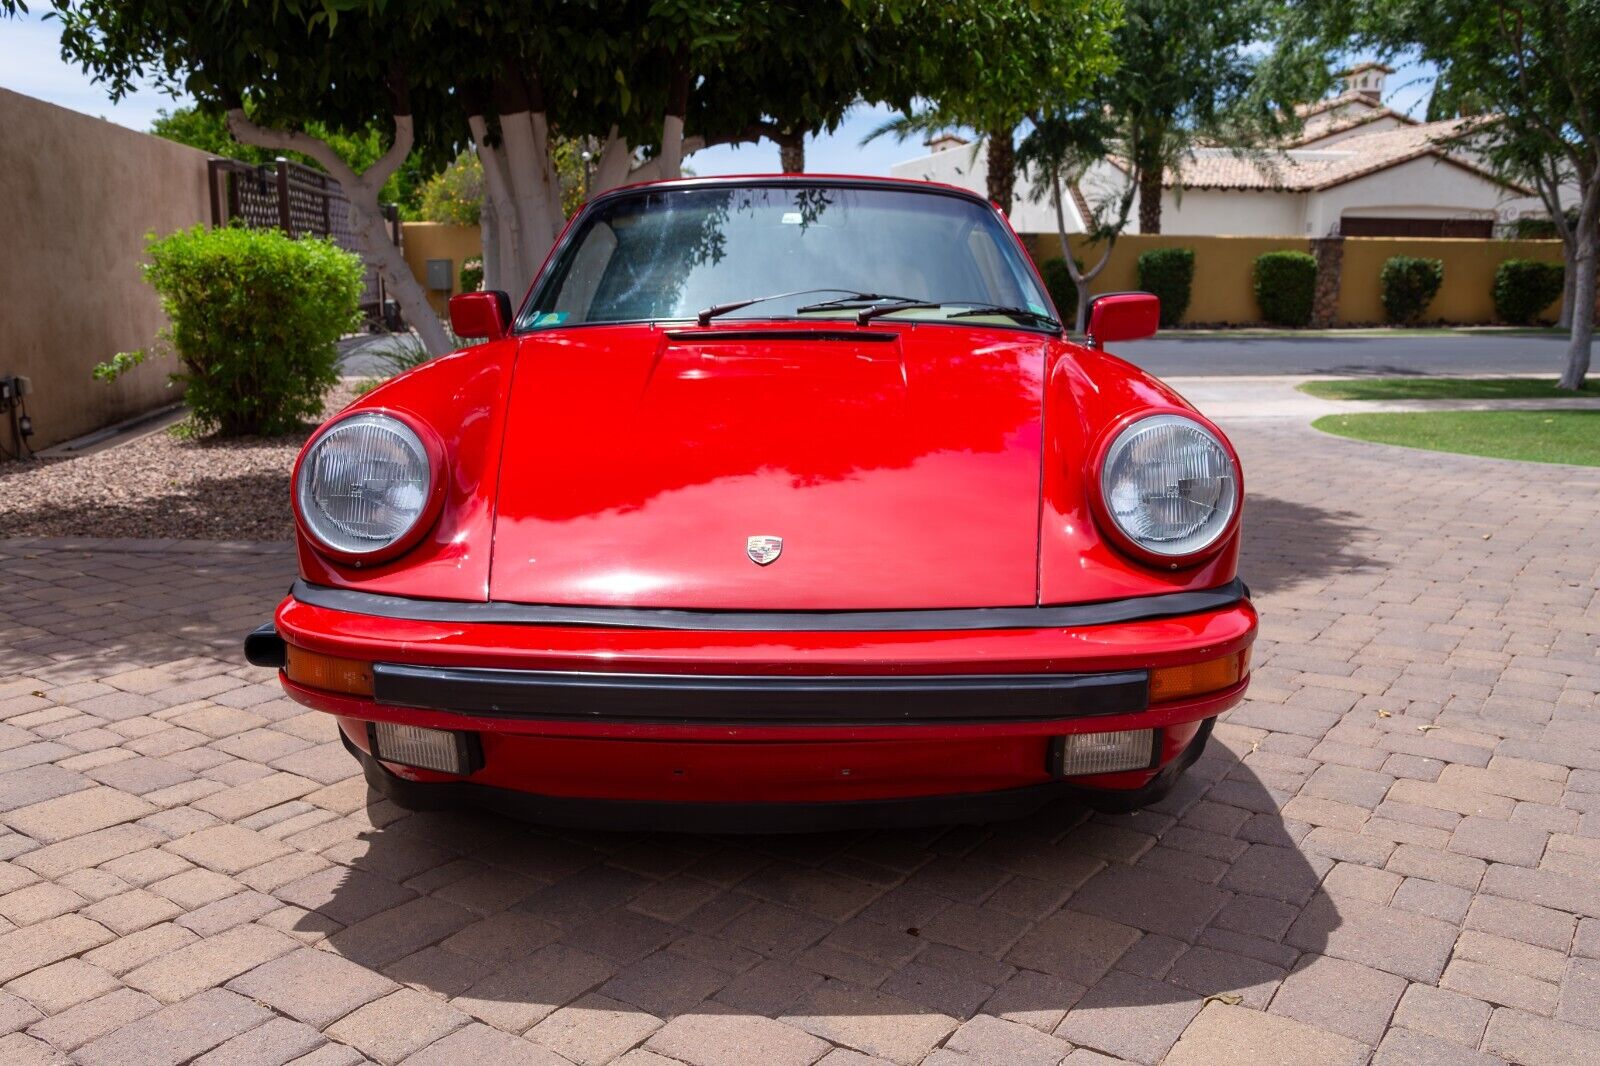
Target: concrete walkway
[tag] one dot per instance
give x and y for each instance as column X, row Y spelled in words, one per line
column 1226, row 399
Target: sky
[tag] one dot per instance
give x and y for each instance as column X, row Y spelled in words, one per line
column 31, row 63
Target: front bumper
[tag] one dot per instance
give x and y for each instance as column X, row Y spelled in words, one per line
column 575, row 714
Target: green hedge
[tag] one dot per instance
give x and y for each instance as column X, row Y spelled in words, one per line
column 1523, row 288
column 1409, row 285
column 471, row 275
column 1169, row 273
column 1063, row 290
column 1286, row 287
column 254, row 318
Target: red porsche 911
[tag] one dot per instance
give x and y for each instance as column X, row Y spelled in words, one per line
column 780, row 503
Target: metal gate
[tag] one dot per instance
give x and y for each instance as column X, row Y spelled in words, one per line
column 301, row 202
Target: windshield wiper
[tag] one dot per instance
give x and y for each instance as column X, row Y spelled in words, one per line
column 715, row 310
column 851, row 302
column 867, row 314
column 1012, row 312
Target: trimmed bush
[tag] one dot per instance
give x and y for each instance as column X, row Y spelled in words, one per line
column 1169, row 273
column 471, row 274
column 1523, row 288
column 1409, row 285
column 1286, row 287
column 1063, row 290
column 254, row 318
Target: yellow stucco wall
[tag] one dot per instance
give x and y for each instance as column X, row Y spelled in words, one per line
column 436, row 240
column 77, row 196
column 1224, row 283
column 1467, row 294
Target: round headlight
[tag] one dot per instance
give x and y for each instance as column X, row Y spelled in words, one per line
column 1170, row 485
column 364, row 484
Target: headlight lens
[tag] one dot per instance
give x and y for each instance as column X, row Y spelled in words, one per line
column 1169, row 485
column 364, row 484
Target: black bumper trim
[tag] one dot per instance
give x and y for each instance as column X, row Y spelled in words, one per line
column 1067, row 616
column 753, row 699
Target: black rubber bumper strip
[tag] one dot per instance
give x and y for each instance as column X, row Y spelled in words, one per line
column 759, row 698
column 1067, row 616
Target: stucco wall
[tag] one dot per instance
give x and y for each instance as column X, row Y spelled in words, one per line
column 1467, row 293
column 1239, row 214
column 77, row 196
column 435, row 240
column 1422, row 188
column 1224, row 291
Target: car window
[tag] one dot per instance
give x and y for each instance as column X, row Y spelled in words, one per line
column 663, row 254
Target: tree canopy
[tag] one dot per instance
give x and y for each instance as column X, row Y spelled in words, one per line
column 1527, row 75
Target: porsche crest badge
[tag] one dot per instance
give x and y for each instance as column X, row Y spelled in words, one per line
column 763, row 550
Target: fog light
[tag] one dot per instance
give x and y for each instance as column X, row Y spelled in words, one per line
column 1102, row 753
column 444, row 750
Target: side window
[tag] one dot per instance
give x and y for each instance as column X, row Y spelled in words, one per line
column 992, row 265
column 576, row 295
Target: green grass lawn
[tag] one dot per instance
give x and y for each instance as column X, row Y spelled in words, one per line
column 1533, row 436
column 1441, row 389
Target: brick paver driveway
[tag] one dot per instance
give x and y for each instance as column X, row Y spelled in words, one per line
column 1391, row 851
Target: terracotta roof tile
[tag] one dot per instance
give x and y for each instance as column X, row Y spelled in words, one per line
column 1306, row 169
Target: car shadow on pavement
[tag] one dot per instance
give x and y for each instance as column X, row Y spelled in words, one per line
column 1289, row 544
column 1108, row 931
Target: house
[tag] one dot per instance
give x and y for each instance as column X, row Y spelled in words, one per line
column 1357, row 168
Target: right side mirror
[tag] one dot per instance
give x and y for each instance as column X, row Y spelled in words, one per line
column 1122, row 316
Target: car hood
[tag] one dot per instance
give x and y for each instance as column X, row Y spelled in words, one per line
column 898, row 464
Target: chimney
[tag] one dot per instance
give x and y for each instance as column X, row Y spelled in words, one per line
column 944, row 142
column 1368, row 80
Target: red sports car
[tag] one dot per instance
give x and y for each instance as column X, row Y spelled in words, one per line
column 781, row 503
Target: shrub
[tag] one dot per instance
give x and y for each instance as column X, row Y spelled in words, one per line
column 1523, row 288
column 471, row 274
column 1286, row 287
column 1169, row 273
column 253, row 317
column 1063, row 290
column 1409, row 286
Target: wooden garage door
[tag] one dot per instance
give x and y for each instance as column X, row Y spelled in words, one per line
column 1416, row 227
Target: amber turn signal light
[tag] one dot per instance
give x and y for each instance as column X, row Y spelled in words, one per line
column 1168, row 683
column 313, row 670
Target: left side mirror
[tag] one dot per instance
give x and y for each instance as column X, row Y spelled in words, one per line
column 480, row 315
column 1121, row 316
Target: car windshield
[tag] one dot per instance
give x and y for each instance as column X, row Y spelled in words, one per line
column 793, row 251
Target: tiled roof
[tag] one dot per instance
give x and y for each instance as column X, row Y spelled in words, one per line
column 1308, row 169
column 1315, row 130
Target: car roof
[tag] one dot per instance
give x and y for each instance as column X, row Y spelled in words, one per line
column 836, row 180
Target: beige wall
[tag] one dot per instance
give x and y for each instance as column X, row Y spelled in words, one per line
column 1224, row 290
column 1467, row 293
column 77, row 195
column 436, row 240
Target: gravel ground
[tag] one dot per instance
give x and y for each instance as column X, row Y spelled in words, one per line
column 157, row 486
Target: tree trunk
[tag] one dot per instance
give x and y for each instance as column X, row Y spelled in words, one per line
column 367, row 223
column 1002, row 159
column 1150, row 199
column 489, row 237
column 1583, row 301
column 372, row 230
column 1569, row 287
column 792, row 152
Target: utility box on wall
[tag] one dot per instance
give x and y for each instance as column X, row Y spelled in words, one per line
column 441, row 275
